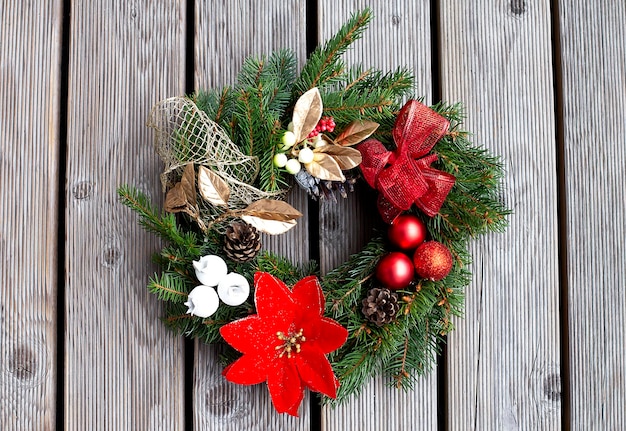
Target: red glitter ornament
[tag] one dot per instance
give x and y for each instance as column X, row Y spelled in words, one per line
column 407, row 232
column 432, row 260
column 395, row 270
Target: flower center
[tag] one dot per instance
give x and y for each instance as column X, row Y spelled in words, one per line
column 291, row 343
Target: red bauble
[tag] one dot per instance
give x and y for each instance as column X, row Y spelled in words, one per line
column 407, row 232
column 432, row 260
column 395, row 270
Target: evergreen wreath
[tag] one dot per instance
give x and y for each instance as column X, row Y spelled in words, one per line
column 229, row 154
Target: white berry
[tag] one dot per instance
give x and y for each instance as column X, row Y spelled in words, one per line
column 280, row 160
column 202, row 301
column 290, row 126
column 293, row 166
column 288, row 140
column 305, row 156
column 233, row 289
column 210, row 269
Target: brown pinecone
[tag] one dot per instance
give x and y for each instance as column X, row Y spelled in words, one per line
column 380, row 306
column 242, row 242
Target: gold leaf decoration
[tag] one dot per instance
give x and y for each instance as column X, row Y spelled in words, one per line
column 212, row 187
column 271, row 209
column 272, row 227
column 306, row 113
column 355, row 132
column 325, row 167
column 346, row 158
column 175, row 200
column 182, row 197
column 188, row 182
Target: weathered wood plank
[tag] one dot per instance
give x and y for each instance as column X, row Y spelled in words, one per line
column 504, row 356
column 124, row 369
column 399, row 36
column 30, row 70
column 226, row 33
column 593, row 59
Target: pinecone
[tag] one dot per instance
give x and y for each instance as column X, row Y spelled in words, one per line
column 380, row 306
column 325, row 190
column 242, row 242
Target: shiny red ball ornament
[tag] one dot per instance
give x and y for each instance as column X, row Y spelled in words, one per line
column 432, row 260
column 407, row 232
column 395, row 270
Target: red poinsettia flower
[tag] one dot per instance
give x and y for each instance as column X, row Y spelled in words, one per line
column 286, row 343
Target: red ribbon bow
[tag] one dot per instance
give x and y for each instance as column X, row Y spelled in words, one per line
column 404, row 176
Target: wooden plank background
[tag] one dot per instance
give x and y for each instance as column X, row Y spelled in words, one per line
column 30, row 76
column 504, row 358
column 593, row 57
column 123, row 370
column 544, row 83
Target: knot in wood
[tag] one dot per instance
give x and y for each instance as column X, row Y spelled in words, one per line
column 518, row 7
column 111, row 256
column 552, row 387
column 25, row 363
column 82, row 190
column 227, row 401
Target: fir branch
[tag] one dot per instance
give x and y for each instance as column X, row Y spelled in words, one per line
column 373, row 95
column 324, row 66
column 264, row 92
column 271, row 177
column 163, row 225
column 169, row 287
column 244, row 122
column 218, row 105
column 283, row 268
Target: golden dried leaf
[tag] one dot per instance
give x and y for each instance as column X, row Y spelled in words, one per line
column 272, row 227
column 182, row 197
column 325, row 167
column 355, row 132
column 176, row 200
column 346, row 158
column 306, row 113
column 271, row 209
column 212, row 187
column 188, row 183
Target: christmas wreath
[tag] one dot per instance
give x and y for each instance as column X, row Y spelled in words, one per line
column 230, row 155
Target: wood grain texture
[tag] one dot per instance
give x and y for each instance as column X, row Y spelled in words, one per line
column 504, row 357
column 30, row 69
column 124, row 370
column 227, row 32
column 399, row 36
column 593, row 60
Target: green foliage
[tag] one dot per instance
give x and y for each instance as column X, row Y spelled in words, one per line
column 157, row 222
column 369, row 94
column 252, row 112
column 474, row 206
column 324, row 67
column 169, row 286
column 256, row 112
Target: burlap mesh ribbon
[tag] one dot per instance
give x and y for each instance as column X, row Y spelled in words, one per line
column 185, row 134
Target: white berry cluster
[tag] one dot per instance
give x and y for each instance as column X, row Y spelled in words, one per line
column 232, row 288
column 295, row 154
